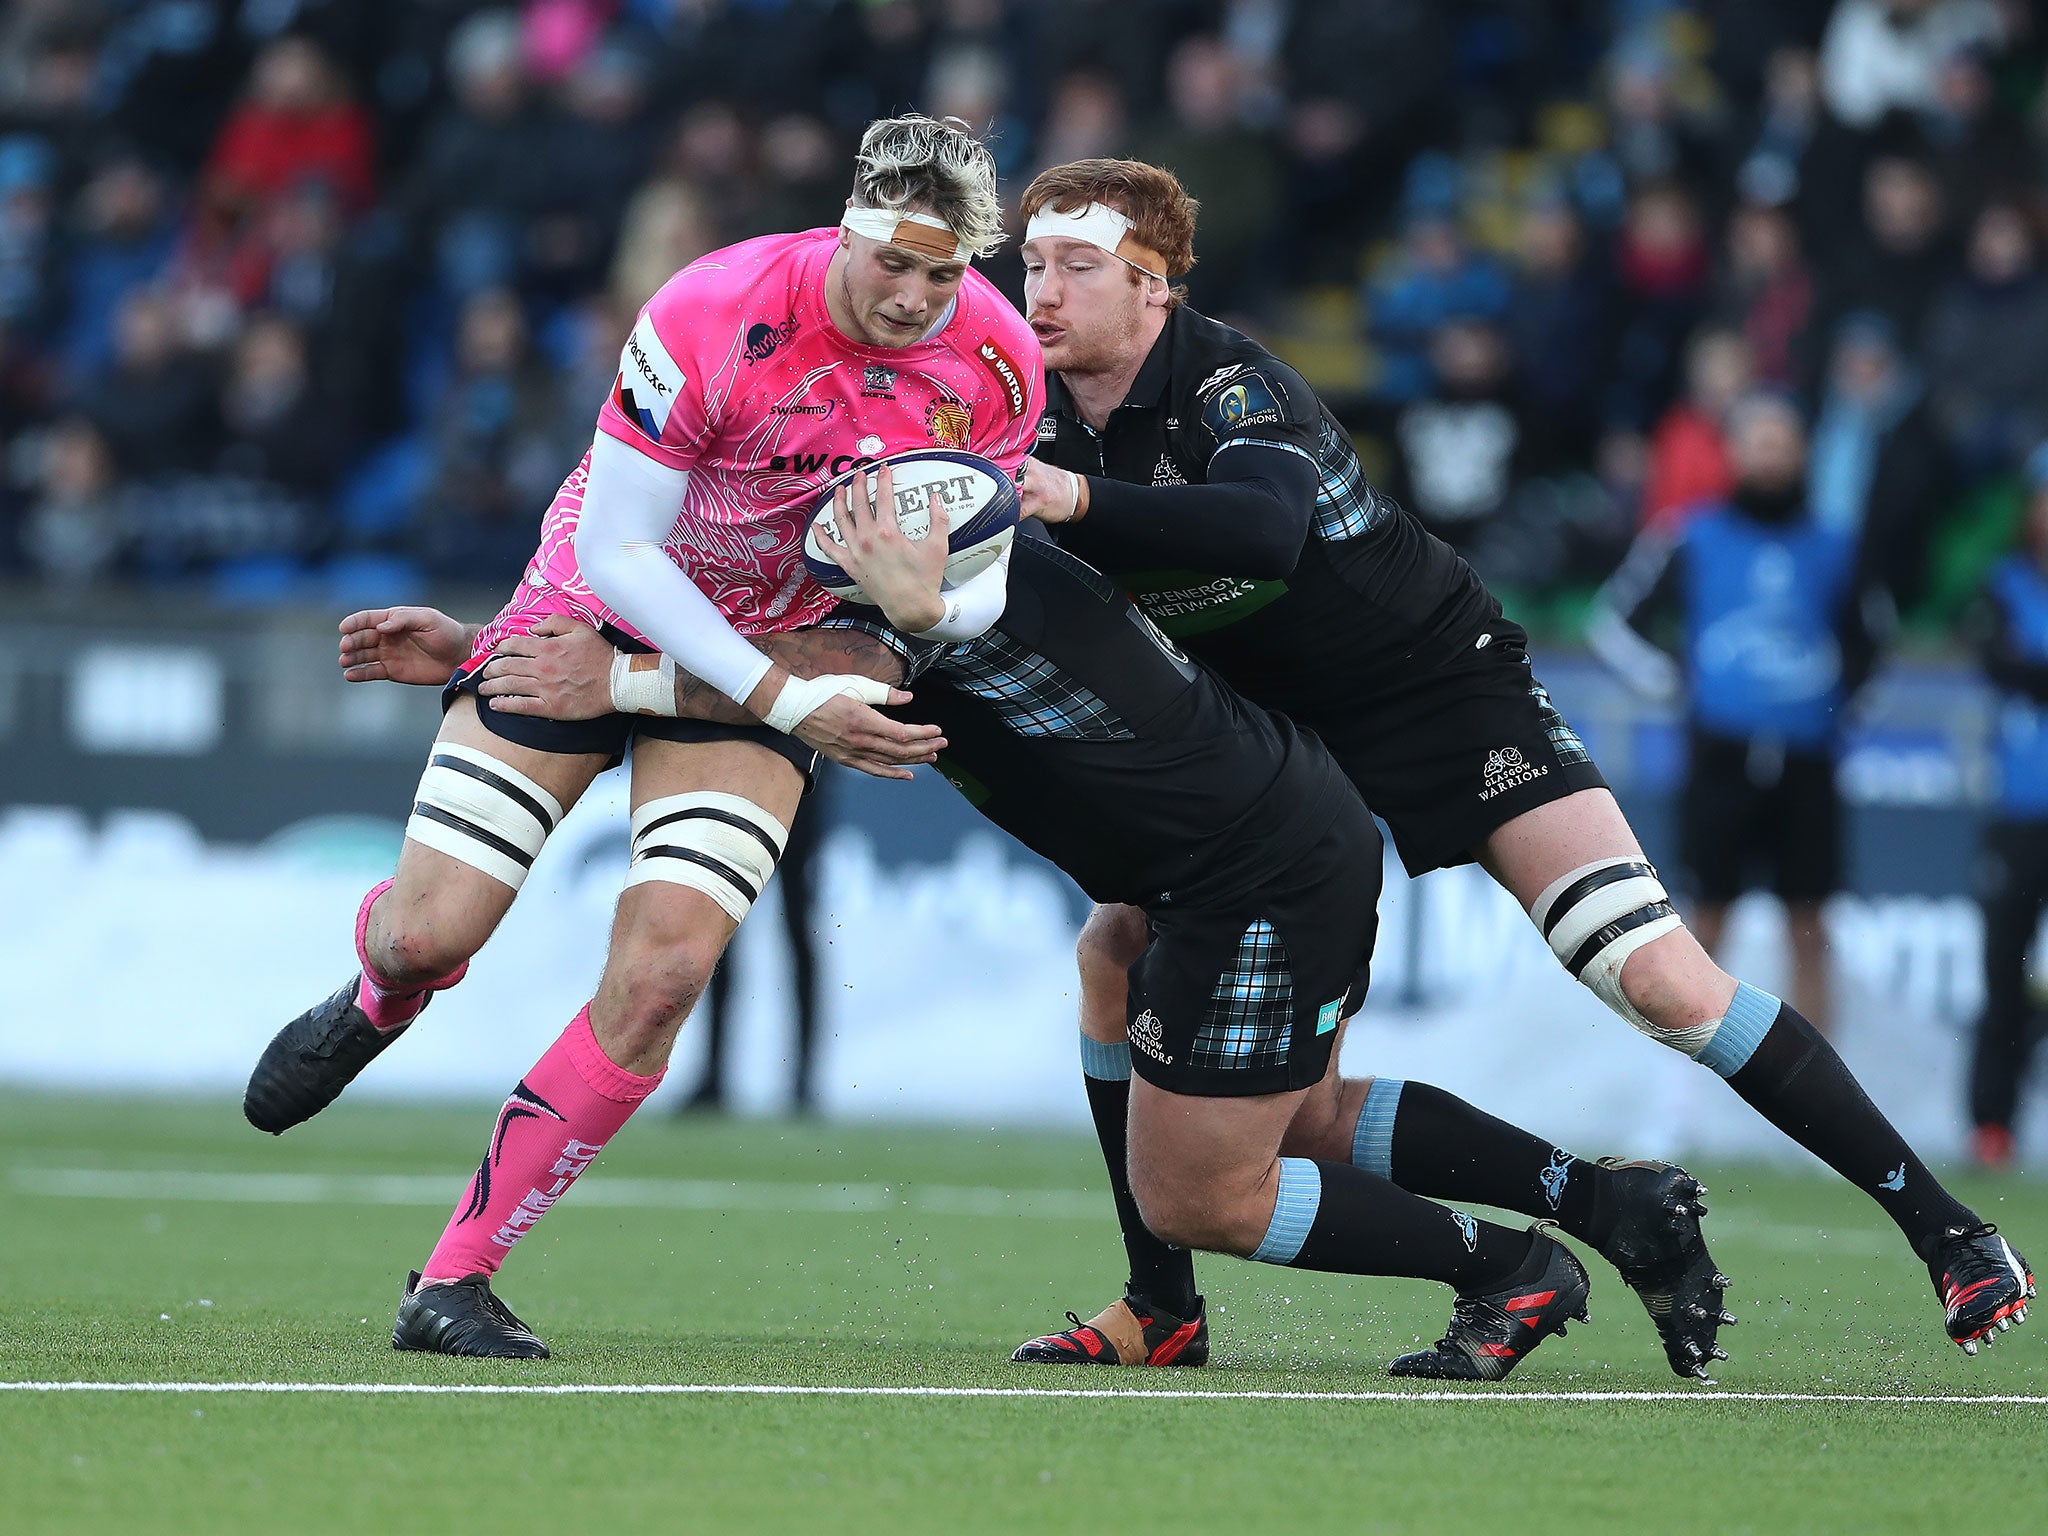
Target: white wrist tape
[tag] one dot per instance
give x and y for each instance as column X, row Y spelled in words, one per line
column 802, row 696
column 646, row 689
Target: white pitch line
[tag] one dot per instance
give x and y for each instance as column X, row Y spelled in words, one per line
column 439, row 1189
column 712, row 1389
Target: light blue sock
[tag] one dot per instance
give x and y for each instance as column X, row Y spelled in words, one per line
column 1106, row 1063
column 1301, row 1195
column 1372, row 1143
column 1751, row 1013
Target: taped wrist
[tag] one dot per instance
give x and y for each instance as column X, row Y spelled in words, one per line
column 802, row 697
column 643, row 684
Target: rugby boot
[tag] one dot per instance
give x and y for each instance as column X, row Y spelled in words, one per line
column 310, row 1060
column 462, row 1317
column 1983, row 1283
column 1492, row 1330
column 1662, row 1256
column 1128, row 1332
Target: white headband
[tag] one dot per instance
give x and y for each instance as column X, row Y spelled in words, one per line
column 918, row 232
column 1102, row 226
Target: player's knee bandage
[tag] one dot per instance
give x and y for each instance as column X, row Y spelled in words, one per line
column 1595, row 918
column 722, row 845
column 483, row 812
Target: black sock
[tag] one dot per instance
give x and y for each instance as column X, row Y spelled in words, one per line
column 1358, row 1223
column 1159, row 1271
column 1440, row 1146
column 1794, row 1079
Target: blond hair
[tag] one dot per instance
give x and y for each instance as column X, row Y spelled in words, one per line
column 920, row 164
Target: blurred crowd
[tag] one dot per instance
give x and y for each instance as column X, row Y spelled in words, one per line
column 303, row 299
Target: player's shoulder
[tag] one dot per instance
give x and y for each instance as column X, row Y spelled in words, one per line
column 1229, row 382
column 987, row 329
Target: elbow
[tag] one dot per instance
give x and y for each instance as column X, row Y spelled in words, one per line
column 1278, row 555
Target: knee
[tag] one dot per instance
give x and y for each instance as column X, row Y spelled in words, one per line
column 652, row 986
column 411, row 949
column 1111, row 940
column 1675, row 985
column 1207, row 1218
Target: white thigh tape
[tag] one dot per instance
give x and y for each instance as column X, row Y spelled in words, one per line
column 483, row 812
column 722, row 845
column 1596, row 917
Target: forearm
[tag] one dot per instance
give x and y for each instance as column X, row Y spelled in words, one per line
column 804, row 653
column 1251, row 519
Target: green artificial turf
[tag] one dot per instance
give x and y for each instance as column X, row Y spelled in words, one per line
column 817, row 1275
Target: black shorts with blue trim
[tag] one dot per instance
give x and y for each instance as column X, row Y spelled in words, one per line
column 1243, row 996
column 610, row 735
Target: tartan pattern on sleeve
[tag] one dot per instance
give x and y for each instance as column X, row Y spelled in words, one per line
column 1564, row 741
column 1250, row 1016
column 1033, row 697
column 1347, row 507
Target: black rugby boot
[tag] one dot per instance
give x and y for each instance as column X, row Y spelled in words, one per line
column 1662, row 1255
column 309, row 1061
column 1131, row 1331
column 1492, row 1330
column 1983, row 1282
column 462, row 1317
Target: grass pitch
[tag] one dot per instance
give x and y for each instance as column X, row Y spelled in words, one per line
column 146, row 1242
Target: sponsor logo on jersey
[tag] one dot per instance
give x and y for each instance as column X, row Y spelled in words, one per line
column 949, row 423
column 877, row 382
column 1185, row 603
column 1327, row 1018
column 1249, row 402
column 828, row 464
column 1507, row 769
column 1048, row 428
column 763, row 339
column 1219, row 378
column 648, row 381
column 822, row 409
column 1166, row 472
column 1013, row 382
column 1149, row 1035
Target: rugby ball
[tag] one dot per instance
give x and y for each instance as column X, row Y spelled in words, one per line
column 975, row 498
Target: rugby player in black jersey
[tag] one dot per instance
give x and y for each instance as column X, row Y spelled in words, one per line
column 1075, row 725
column 1204, row 475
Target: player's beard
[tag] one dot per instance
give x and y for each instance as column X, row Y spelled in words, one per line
column 1104, row 348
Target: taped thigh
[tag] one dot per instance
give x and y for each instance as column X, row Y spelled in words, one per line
column 483, row 812
column 723, row 845
column 1596, row 917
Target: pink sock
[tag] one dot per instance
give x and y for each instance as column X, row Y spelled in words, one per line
column 388, row 1007
column 577, row 1099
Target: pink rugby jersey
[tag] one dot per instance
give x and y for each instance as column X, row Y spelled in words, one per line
column 736, row 373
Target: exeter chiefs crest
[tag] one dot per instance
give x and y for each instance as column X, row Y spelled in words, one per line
column 949, row 423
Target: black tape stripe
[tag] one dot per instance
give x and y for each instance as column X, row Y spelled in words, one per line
column 1615, row 930
column 708, row 813
column 1581, row 888
column 504, row 787
column 718, row 867
column 512, row 851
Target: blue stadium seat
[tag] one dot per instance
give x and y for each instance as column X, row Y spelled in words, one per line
column 381, row 496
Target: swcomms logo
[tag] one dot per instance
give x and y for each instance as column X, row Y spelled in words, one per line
column 1149, row 1035
column 1507, row 769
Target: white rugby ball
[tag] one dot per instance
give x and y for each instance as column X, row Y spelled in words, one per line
column 976, row 496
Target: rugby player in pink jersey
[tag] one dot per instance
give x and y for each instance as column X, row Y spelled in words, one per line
column 752, row 379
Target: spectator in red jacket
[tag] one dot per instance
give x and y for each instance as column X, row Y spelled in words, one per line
column 297, row 123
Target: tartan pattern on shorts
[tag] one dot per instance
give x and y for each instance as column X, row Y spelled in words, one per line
column 1033, row 697
column 1564, row 741
column 1250, row 1016
column 1347, row 507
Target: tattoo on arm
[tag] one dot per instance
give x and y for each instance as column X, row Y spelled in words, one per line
column 806, row 653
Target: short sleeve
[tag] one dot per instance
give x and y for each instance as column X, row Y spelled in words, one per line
column 657, row 401
column 1260, row 400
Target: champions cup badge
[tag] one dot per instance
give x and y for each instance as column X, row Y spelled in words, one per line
column 949, row 423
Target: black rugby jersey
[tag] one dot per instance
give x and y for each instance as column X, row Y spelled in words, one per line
column 1374, row 599
column 1081, row 730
